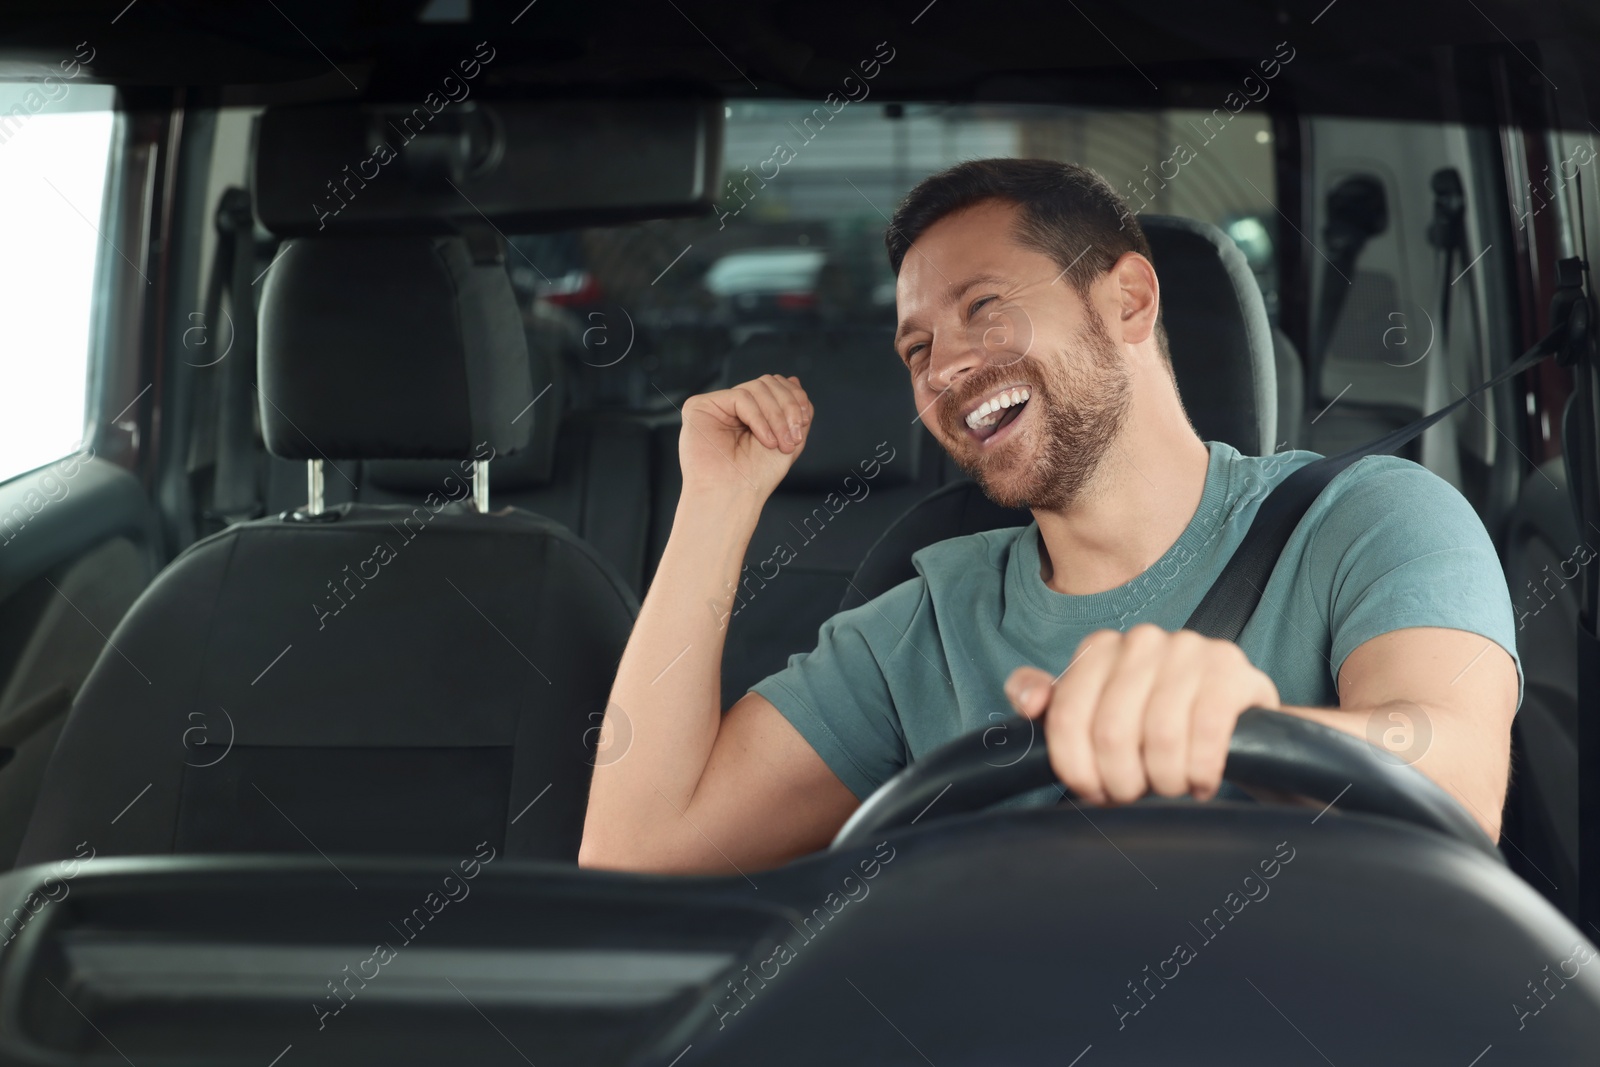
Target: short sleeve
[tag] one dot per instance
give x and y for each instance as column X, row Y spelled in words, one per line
column 838, row 695
column 1401, row 548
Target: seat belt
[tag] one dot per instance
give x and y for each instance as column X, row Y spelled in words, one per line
column 226, row 429
column 1228, row 605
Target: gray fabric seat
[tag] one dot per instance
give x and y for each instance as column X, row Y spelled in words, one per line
column 378, row 679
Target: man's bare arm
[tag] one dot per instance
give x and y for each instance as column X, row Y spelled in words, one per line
column 680, row 787
column 1153, row 711
column 1440, row 699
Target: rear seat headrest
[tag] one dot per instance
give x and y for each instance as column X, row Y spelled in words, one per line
column 864, row 419
column 391, row 347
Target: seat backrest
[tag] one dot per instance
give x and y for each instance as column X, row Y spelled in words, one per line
column 376, row 679
column 1226, row 366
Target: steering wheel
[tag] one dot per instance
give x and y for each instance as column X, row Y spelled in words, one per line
column 1270, row 750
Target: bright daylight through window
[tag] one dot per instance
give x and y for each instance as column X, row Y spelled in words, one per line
column 55, row 141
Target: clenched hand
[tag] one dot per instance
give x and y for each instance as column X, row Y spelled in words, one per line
column 1142, row 711
column 743, row 438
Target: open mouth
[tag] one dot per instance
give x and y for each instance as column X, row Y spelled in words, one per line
column 988, row 420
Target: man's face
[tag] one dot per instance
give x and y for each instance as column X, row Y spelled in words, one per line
column 1013, row 372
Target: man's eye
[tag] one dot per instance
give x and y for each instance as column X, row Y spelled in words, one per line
column 911, row 352
column 978, row 303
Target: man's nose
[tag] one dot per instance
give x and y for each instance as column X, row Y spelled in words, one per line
column 954, row 355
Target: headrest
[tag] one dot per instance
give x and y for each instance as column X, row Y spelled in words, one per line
column 391, row 347
column 861, row 395
column 533, row 465
column 1218, row 331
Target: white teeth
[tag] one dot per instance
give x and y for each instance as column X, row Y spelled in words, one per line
column 987, row 413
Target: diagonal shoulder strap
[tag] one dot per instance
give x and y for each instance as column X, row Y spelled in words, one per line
column 1233, row 598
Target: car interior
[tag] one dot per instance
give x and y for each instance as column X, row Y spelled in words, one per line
column 344, row 352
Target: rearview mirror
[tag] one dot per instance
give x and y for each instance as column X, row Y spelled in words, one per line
column 523, row 165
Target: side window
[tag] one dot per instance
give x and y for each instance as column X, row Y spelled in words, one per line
column 55, row 147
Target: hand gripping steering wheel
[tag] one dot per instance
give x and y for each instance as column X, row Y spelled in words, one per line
column 1270, row 750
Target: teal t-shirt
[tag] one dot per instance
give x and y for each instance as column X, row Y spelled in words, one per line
column 1388, row 545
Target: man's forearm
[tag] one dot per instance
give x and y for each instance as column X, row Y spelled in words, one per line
column 1468, row 759
column 666, row 703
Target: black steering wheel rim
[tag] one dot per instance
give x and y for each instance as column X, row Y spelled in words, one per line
column 1270, row 750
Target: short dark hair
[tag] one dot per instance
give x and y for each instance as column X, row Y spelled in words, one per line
column 1066, row 211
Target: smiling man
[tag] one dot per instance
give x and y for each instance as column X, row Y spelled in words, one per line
column 1029, row 324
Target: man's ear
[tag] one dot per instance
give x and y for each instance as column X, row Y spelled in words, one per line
column 1140, row 297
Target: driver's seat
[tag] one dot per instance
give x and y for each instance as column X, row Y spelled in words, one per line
column 1222, row 353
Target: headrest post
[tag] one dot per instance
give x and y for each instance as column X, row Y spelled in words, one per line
column 480, row 485
column 314, row 486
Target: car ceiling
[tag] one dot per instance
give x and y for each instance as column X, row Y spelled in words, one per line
column 1355, row 57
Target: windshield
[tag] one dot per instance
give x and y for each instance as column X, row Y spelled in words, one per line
column 796, row 235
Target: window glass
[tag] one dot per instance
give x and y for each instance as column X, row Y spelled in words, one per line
column 647, row 312
column 55, row 146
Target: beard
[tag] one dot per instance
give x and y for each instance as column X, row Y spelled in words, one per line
column 1078, row 404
